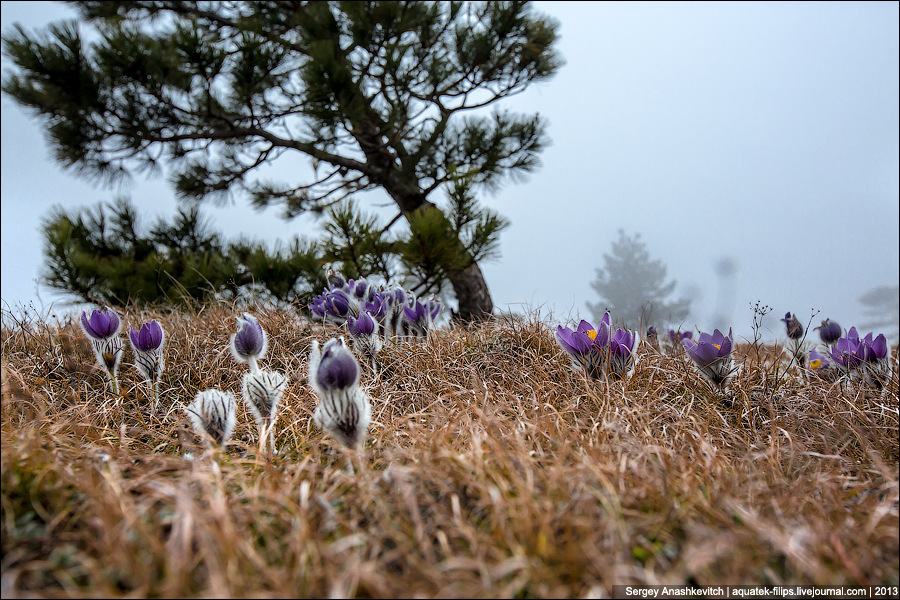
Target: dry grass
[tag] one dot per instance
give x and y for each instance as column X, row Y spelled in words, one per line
column 492, row 470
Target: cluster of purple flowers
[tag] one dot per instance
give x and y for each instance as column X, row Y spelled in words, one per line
column 102, row 330
column 599, row 352
column 372, row 313
column 862, row 359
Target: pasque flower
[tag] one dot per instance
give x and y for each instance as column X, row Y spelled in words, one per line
column 829, row 332
column 212, row 414
column 622, row 359
column 262, row 391
column 712, row 356
column 867, row 359
column 845, row 351
column 588, row 347
column 147, row 343
column 102, row 330
column 419, row 316
column 822, row 367
column 344, row 410
column 793, row 325
column 249, row 344
column 364, row 333
column 678, row 336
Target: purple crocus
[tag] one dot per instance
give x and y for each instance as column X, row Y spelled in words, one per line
column 364, row 333
column 817, row 362
column 622, row 358
column 150, row 337
column 418, row 317
column 103, row 324
column 337, row 368
column 102, row 330
column 344, row 410
column 867, row 359
column 793, row 325
column 712, row 356
column 677, row 336
column 875, row 369
column 147, row 343
column 361, row 327
column 249, row 344
column 588, row 347
column 359, row 288
column 845, row 351
column 829, row 331
column 822, row 367
column 335, row 306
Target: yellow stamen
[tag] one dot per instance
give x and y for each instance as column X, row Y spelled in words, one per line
column 591, row 334
column 718, row 346
column 815, row 365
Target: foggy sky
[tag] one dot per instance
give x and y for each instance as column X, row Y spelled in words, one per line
column 766, row 133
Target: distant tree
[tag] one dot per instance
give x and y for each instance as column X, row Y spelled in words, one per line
column 633, row 287
column 102, row 255
column 882, row 308
column 379, row 95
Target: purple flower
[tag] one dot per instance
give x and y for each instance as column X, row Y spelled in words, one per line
column 335, row 279
column 588, row 347
column 817, row 362
column 334, row 305
column 677, row 336
column 712, row 356
column 359, row 288
column 870, row 350
column 621, row 353
column 844, row 352
column 434, row 308
column 249, row 343
column 376, row 306
column 794, row 328
column 363, row 326
column 829, row 331
column 102, row 330
column 866, row 359
column 344, row 410
column 337, row 369
column 415, row 312
column 102, row 325
column 147, row 344
column 822, row 367
column 149, row 338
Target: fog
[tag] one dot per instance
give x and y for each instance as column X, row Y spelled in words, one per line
column 763, row 136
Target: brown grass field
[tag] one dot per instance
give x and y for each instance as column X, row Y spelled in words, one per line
column 492, row 469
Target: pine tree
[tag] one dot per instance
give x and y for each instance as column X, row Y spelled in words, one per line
column 633, row 287
column 379, row 95
column 103, row 255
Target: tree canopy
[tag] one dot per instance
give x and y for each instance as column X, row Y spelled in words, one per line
column 379, row 95
column 633, row 287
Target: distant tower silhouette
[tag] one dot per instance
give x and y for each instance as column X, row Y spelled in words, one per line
column 726, row 269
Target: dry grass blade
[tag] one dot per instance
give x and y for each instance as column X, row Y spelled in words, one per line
column 491, row 470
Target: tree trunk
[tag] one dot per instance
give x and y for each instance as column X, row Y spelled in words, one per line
column 472, row 294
